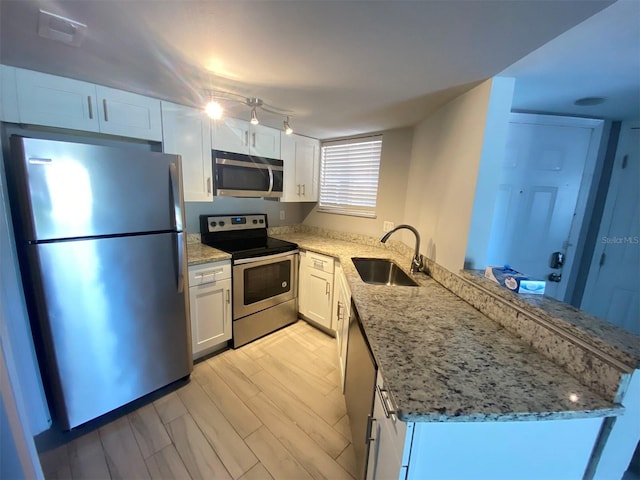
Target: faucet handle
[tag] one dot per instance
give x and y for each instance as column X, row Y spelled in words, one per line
column 417, row 263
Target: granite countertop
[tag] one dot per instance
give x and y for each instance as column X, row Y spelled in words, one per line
column 615, row 341
column 443, row 360
column 198, row 253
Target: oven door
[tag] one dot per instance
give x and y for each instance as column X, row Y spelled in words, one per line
column 262, row 282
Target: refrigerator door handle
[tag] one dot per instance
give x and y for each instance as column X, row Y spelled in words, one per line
column 180, row 246
column 177, row 195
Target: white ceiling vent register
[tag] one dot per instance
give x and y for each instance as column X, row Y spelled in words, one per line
column 61, row 29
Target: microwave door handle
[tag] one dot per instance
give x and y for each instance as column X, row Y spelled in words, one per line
column 270, row 179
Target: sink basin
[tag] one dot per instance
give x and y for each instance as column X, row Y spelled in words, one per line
column 379, row 271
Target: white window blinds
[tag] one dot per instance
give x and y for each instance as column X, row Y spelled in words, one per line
column 349, row 176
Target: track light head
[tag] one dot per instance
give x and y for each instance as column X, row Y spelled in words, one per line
column 287, row 128
column 254, row 117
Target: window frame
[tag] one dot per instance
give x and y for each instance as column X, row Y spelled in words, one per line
column 352, row 201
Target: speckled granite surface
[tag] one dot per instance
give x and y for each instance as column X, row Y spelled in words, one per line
column 443, row 360
column 615, row 341
column 198, row 253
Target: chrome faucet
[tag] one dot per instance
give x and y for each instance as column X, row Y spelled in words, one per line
column 416, row 261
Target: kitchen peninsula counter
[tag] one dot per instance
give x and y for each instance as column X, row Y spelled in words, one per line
column 442, row 360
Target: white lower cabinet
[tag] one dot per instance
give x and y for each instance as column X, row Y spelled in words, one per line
column 315, row 292
column 391, row 439
column 185, row 131
column 483, row 449
column 341, row 312
column 210, row 306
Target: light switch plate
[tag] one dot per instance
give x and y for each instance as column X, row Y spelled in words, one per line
column 281, row 214
column 387, row 226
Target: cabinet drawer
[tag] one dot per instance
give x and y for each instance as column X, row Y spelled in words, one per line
column 209, row 272
column 318, row 261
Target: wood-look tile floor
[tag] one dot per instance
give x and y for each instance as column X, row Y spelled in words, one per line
column 272, row 409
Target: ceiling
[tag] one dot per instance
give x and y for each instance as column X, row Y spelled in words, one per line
column 339, row 67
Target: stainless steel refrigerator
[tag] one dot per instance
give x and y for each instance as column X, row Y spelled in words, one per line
column 103, row 260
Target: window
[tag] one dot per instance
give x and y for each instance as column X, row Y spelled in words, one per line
column 349, row 176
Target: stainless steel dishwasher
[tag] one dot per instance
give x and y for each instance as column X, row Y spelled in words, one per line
column 360, row 384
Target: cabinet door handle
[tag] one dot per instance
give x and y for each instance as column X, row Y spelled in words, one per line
column 338, row 313
column 370, row 421
column 228, row 296
column 328, row 290
column 208, row 184
column 253, row 139
column 389, row 410
column 90, row 107
column 104, row 106
column 246, row 138
column 298, row 189
column 304, row 190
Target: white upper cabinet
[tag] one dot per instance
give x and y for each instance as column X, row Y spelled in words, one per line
column 129, row 114
column 56, row 101
column 301, row 156
column 8, row 95
column 66, row 103
column 185, row 132
column 264, row 141
column 239, row 136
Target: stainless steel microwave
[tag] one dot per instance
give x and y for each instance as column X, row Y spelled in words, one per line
column 240, row 175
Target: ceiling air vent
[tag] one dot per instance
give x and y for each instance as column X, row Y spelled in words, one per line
column 61, row 29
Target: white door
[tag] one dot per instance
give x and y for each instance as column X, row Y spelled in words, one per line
column 129, row 114
column 539, row 195
column 56, row 101
column 613, row 286
column 186, row 132
column 230, row 135
column 265, row 141
column 210, row 306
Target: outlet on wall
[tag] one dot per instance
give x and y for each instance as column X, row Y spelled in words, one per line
column 387, row 226
column 281, row 214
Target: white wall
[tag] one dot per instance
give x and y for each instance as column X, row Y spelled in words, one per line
column 492, row 157
column 443, row 172
column 392, row 185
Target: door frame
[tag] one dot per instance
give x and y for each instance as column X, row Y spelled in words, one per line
column 587, row 185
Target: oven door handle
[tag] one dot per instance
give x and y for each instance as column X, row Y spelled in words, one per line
column 244, row 261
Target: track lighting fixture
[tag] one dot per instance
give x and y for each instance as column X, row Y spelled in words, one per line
column 214, row 108
column 287, row 128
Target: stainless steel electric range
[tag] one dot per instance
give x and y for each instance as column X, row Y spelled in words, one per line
column 264, row 272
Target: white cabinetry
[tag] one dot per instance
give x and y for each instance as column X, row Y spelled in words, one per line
column 418, row 450
column 316, row 288
column 8, row 95
column 210, row 306
column 185, row 131
column 239, row 136
column 128, row 114
column 388, row 452
column 66, row 103
column 301, row 156
column 342, row 312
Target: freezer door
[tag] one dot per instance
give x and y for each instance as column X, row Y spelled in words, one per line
column 73, row 190
column 113, row 318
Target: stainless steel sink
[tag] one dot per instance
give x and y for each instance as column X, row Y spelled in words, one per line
column 380, row 271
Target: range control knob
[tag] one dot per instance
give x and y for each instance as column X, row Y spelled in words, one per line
column 261, row 220
column 213, row 224
column 255, row 221
column 221, row 223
